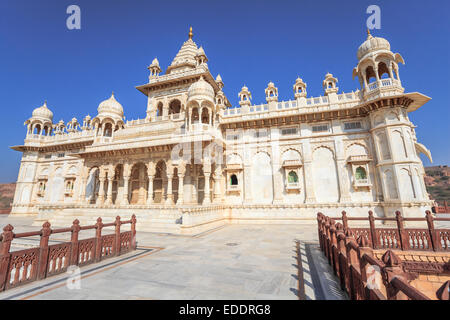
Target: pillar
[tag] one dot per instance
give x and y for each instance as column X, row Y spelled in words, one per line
column 169, row 199
column 101, row 190
column 217, row 176
column 180, row 187
column 109, row 192
column 150, row 189
column 207, row 197
column 194, row 179
column 141, row 199
column 126, row 180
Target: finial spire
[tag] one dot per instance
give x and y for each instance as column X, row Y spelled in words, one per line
column 190, row 33
column 368, row 34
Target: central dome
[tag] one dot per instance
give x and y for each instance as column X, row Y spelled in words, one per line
column 372, row 44
column 110, row 107
column 201, row 90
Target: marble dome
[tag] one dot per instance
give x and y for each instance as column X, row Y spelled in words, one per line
column 201, row 90
column 372, row 44
column 43, row 113
column 110, row 107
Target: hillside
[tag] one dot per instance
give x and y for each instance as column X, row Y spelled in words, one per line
column 6, row 196
column 437, row 180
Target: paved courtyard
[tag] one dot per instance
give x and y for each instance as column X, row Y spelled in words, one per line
column 231, row 262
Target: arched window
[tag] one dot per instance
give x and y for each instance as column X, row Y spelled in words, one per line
column 292, row 177
column 205, row 116
column 108, row 130
column 383, row 71
column 233, row 180
column 174, row 107
column 159, row 110
column 360, row 173
column 370, row 73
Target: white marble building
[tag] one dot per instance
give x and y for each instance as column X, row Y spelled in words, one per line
column 195, row 162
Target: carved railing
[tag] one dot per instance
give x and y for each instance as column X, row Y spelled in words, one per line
column 401, row 238
column 360, row 273
column 441, row 208
column 24, row 266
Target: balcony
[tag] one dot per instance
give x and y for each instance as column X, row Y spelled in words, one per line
column 383, row 87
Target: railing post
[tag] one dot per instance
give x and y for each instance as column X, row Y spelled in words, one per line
column 133, row 232
column 98, row 239
column 373, row 233
column 364, row 249
column 392, row 269
column 117, row 237
column 319, row 233
column 8, row 236
column 74, row 242
column 345, row 221
column 401, row 231
column 339, row 230
column 43, row 250
column 333, row 244
column 433, row 235
column 351, row 264
column 342, row 258
column 446, row 206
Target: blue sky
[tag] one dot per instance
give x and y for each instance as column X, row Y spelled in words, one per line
column 247, row 42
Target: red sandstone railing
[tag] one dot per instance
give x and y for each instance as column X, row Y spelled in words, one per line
column 441, row 209
column 362, row 275
column 24, row 266
column 401, row 238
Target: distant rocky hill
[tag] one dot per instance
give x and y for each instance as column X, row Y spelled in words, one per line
column 6, row 196
column 437, row 180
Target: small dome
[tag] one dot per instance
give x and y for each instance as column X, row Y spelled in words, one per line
column 155, row 62
column 201, row 90
column 372, row 44
column 43, row 112
column 110, row 108
column 201, row 52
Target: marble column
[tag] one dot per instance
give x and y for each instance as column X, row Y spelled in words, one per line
column 150, row 189
column 101, row 190
column 109, row 192
column 180, row 188
column 82, row 197
column 126, row 180
column 217, row 197
column 141, row 197
column 169, row 199
column 194, row 180
column 207, row 196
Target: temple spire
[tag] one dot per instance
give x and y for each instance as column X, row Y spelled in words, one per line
column 190, row 33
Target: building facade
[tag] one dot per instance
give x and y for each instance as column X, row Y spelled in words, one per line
column 195, row 162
